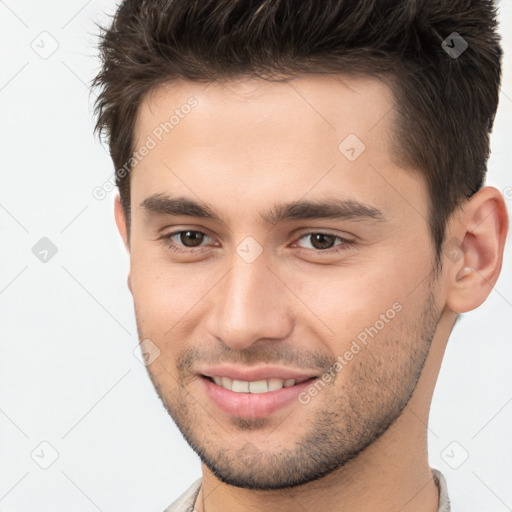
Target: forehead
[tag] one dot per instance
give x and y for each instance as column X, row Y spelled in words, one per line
column 314, row 104
column 256, row 140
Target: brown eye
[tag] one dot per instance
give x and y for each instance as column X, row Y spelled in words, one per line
column 324, row 243
column 191, row 238
column 185, row 241
column 322, row 240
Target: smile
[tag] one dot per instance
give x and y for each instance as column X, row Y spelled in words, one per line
column 257, row 386
column 253, row 399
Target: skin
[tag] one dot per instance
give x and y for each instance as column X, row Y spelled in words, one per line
column 361, row 442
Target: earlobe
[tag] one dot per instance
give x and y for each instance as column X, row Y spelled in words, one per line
column 121, row 221
column 481, row 230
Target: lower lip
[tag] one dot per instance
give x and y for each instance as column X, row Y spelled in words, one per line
column 253, row 405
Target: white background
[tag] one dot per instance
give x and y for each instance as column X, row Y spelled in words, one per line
column 68, row 375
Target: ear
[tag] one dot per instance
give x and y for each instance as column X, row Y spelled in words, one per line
column 123, row 229
column 121, row 221
column 474, row 249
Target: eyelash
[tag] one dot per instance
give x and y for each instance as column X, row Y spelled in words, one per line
column 343, row 246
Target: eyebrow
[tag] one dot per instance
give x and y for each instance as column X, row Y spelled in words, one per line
column 340, row 209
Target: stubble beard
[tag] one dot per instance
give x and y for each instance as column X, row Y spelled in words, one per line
column 340, row 430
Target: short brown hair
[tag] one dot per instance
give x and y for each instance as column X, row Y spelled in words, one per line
column 445, row 102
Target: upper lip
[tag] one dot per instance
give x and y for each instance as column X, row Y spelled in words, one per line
column 256, row 373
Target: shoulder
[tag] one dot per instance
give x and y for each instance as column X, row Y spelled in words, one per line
column 444, row 500
column 185, row 503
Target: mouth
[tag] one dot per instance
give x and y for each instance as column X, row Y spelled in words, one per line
column 254, row 398
column 256, row 386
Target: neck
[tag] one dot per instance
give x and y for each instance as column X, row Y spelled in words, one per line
column 380, row 479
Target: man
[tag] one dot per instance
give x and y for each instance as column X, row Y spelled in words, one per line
column 302, row 199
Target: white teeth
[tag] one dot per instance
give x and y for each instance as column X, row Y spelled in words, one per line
column 275, row 384
column 240, row 386
column 258, row 386
column 226, row 383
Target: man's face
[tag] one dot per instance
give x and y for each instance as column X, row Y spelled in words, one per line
column 249, row 299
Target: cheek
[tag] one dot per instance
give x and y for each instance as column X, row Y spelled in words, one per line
column 349, row 311
column 156, row 278
column 168, row 298
column 346, row 299
column 347, row 302
column 166, row 294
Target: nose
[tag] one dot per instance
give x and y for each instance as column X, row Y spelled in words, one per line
column 250, row 304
